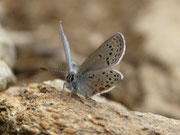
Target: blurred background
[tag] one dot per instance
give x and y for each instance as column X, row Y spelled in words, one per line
column 30, row 39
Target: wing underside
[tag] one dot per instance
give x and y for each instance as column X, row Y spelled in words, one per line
column 107, row 55
column 99, row 81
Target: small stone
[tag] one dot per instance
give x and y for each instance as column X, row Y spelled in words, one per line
column 6, row 76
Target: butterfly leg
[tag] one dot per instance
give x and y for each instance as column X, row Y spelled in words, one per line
column 73, row 91
column 89, row 98
column 94, row 101
column 90, row 106
column 64, row 86
column 85, row 103
column 70, row 94
column 74, row 88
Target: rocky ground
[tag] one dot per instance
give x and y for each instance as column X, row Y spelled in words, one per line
column 30, row 39
column 40, row 109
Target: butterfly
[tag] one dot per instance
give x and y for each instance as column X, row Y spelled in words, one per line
column 95, row 75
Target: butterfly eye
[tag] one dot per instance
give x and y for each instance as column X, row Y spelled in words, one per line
column 72, row 78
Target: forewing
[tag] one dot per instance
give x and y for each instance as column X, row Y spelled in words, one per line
column 67, row 50
column 107, row 55
column 99, row 81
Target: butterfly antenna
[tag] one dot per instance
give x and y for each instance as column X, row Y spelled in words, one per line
column 53, row 70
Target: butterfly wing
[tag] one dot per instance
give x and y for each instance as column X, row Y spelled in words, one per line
column 67, row 50
column 107, row 55
column 98, row 81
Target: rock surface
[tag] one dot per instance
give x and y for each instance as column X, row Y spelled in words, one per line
column 39, row 109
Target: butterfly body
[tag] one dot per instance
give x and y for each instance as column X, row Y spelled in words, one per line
column 95, row 75
column 94, row 82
